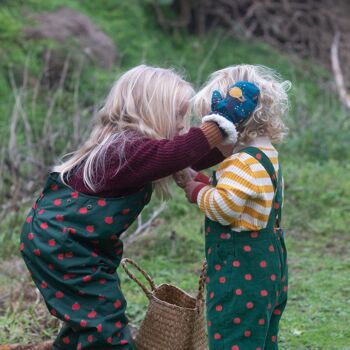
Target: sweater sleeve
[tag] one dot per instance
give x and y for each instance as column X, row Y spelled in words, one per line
column 148, row 160
column 225, row 202
column 210, row 159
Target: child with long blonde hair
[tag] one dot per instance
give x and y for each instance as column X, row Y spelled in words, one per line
column 70, row 240
column 247, row 260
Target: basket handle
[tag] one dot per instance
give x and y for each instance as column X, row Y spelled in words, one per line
column 148, row 292
column 201, row 285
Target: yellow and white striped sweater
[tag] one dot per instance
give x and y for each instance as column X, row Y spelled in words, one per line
column 244, row 192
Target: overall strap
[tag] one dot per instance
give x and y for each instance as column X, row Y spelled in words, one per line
column 263, row 159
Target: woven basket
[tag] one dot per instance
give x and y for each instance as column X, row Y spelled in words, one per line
column 174, row 319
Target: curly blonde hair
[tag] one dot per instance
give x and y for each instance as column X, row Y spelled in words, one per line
column 267, row 119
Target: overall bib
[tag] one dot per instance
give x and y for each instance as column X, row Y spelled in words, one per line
column 247, row 279
column 71, row 245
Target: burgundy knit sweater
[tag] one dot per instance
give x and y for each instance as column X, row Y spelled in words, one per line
column 147, row 160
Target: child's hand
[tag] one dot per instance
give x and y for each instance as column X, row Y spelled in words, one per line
column 192, row 188
column 239, row 103
column 184, row 176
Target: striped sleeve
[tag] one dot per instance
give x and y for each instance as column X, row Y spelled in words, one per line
column 225, row 202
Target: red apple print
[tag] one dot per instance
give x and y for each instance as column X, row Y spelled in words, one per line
column 211, row 295
column 117, row 304
column 94, row 254
column 209, row 251
column 285, row 288
column 37, row 252
column 44, row 225
column 273, row 277
column 99, row 328
column 68, row 255
column 207, row 280
column 218, row 308
column 109, row 340
column 57, row 202
column 236, row 263
column 119, row 252
column 59, row 217
column 43, row 284
column 103, row 281
column 258, row 156
column 51, row 267
column 217, row 267
column 90, row 228
column 208, row 229
column 21, row 247
column 125, row 211
column 276, row 312
column 66, row 317
column 209, row 323
column 123, row 342
column 235, row 347
column 101, row 297
column 34, row 206
column 248, row 277
column 54, row 187
column 263, row 293
column 247, row 248
column 254, row 234
column 66, row 340
column 271, row 248
column 261, row 322
column 92, row 314
column 72, row 230
column 83, row 210
column 101, row 202
column 223, row 235
column 79, row 346
column 41, row 211
column 87, row 278
column 236, row 320
column 90, row 338
column 30, row 235
column 217, row 336
column 29, row 219
column 53, row 312
column 108, row 220
column 238, row 291
column 263, row 264
column 59, row 295
column 277, row 205
column 83, row 323
column 74, row 194
column 114, row 237
column 222, row 279
column 268, row 306
column 60, row 256
column 52, row 242
column 76, row 307
column 118, row 324
column 273, row 339
column 249, row 305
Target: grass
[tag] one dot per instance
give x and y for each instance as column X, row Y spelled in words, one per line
column 315, row 159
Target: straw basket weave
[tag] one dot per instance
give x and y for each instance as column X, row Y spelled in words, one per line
column 174, row 319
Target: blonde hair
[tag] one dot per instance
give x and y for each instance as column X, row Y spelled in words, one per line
column 267, row 119
column 144, row 101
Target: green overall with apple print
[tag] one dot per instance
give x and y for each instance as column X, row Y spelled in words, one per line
column 247, row 279
column 71, row 245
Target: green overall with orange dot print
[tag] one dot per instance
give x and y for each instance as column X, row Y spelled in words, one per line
column 71, row 245
column 247, row 278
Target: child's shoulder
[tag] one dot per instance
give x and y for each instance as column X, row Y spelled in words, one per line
column 242, row 159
